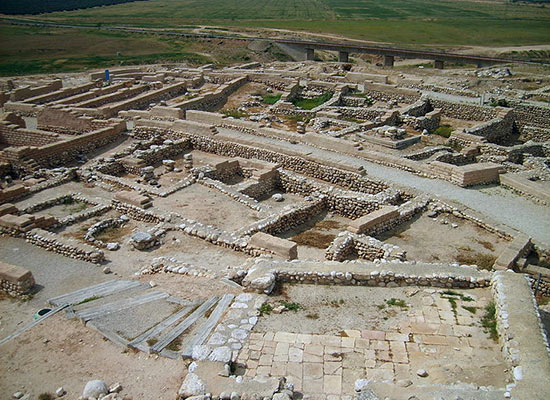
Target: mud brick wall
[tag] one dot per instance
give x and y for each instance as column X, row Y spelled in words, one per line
column 13, row 135
column 26, row 92
column 119, row 95
column 62, row 152
column 62, row 93
column 418, row 108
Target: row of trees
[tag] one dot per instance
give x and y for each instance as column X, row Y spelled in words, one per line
column 15, row 7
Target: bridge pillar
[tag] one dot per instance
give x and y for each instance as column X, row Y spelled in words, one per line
column 310, row 54
column 343, row 56
column 388, row 61
column 438, row 64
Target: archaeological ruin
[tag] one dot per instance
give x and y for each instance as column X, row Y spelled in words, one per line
column 276, row 231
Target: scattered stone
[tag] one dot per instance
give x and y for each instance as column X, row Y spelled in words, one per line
column 116, row 388
column 60, row 392
column 107, row 270
column 422, row 373
column 278, row 197
column 17, row 395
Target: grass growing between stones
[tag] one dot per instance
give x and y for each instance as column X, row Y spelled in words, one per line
column 265, row 309
column 311, row 103
column 87, row 300
column 271, row 98
column 174, row 345
column 393, row 302
column 489, row 321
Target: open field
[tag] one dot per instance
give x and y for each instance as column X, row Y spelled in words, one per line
column 394, row 21
column 32, row 50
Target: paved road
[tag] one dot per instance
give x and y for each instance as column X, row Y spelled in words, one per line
column 498, row 204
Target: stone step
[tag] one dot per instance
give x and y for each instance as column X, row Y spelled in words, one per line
column 100, row 311
column 207, row 327
column 159, row 328
column 166, row 339
column 99, row 290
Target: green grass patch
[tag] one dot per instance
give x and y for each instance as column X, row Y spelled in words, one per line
column 444, row 131
column 271, row 98
column 87, row 300
column 235, row 113
column 471, row 309
column 456, row 294
column 290, row 305
column 393, row 302
column 265, row 309
column 489, row 321
column 311, row 103
column 175, row 345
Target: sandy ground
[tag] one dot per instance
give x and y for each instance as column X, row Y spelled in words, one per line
column 65, row 353
column 428, row 239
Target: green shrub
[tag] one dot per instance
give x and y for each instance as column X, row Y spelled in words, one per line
column 444, row 131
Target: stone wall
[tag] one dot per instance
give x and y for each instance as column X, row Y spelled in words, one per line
column 365, row 247
column 468, row 112
column 497, row 130
column 63, row 246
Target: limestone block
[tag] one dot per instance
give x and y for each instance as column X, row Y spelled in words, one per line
column 369, row 221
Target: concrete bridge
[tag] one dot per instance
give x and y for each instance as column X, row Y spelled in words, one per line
column 389, row 53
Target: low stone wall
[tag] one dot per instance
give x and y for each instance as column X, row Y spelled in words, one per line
column 365, row 247
column 65, row 247
column 405, row 212
column 136, row 213
column 264, row 273
column 15, row 281
column 101, row 226
column 525, row 187
column 521, row 335
column 285, row 220
column 62, row 93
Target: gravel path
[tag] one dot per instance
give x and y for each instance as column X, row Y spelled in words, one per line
column 499, row 204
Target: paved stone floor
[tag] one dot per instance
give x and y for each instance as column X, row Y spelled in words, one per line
column 442, row 337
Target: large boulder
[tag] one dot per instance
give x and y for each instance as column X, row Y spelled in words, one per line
column 192, row 386
column 95, row 389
